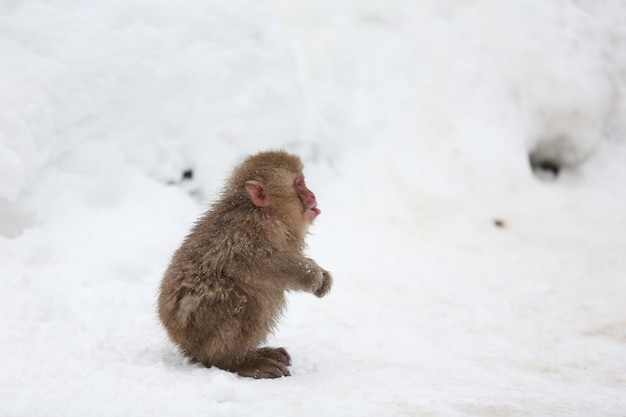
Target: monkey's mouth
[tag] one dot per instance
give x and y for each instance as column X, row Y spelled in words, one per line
column 313, row 212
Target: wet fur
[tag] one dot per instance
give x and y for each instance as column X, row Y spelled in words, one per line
column 224, row 290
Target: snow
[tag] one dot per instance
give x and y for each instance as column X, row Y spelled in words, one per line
column 466, row 284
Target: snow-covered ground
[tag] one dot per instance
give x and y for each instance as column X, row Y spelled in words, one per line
column 465, row 283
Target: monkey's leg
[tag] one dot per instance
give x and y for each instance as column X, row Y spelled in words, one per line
column 277, row 354
column 257, row 366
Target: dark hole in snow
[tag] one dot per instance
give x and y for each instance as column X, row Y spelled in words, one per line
column 546, row 169
column 557, row 155
column 187, row 174
column 549, row 166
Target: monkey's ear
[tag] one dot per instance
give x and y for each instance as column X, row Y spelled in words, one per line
column 256, row 189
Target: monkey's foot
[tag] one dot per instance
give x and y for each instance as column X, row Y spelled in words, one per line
column 277, row 354
column 257, row 365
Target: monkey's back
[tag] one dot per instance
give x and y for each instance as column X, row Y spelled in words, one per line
column 216, row 301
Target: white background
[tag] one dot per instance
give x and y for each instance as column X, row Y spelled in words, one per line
column 416, row 121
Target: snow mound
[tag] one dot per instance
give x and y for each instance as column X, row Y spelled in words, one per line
column 464, row 285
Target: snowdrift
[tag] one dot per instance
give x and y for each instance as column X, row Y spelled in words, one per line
column 468, row 159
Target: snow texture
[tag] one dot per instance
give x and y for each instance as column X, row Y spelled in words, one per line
column 468, row 158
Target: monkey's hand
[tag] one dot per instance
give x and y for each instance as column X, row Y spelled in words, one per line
column 327, row 282
column 300, row 274
column 318, row 280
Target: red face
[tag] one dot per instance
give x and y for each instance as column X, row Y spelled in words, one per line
column 307, row 197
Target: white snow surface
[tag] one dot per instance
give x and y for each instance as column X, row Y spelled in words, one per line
column 465, row 283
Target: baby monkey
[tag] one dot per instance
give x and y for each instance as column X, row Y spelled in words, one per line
column 224, row 289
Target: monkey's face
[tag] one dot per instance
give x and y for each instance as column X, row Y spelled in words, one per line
column 309, row 203
column 286, row 196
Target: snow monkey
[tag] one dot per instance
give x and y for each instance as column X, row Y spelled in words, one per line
column 224, row 289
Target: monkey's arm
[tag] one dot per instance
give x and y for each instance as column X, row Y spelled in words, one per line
column 299, row 273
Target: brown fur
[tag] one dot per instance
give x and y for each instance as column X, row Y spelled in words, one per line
column 225, row 287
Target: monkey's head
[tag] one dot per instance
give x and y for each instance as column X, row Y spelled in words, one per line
column 274, row 182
